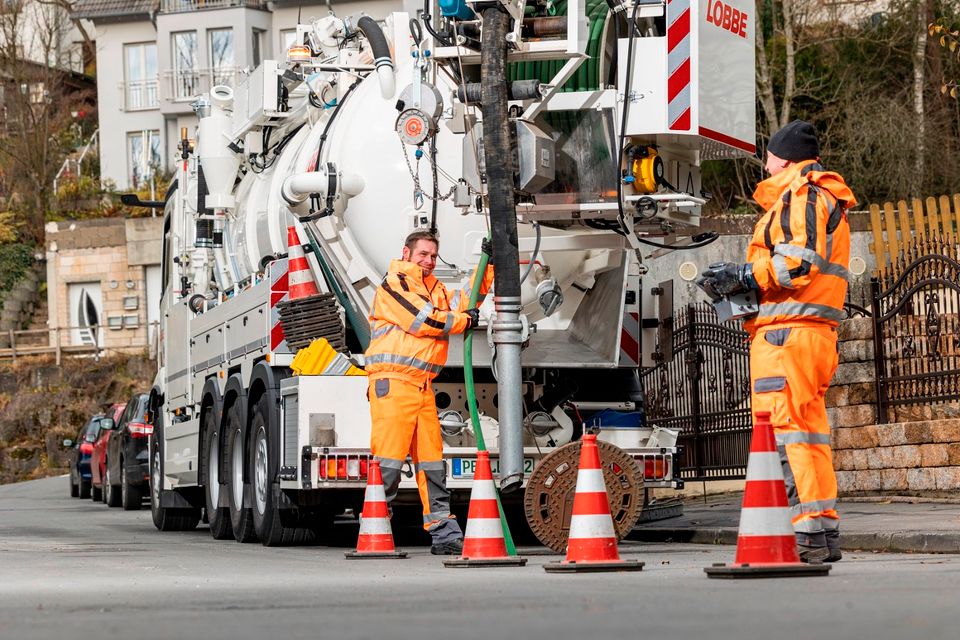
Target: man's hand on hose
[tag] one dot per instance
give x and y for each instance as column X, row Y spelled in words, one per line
column 486, row 246
column 723, row 279
column 474, row 319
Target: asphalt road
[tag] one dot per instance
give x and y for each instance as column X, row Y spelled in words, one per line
column 73, row 569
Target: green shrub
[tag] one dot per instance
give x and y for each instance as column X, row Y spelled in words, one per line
column 15, row 261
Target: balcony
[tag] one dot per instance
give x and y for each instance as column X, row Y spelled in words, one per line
column 186, row 86
column 140, row 94
column 183, row 6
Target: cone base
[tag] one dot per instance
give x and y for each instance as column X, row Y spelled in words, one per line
column 744, row 571
column 373, row 555
column 506, row 561
column 592, row 567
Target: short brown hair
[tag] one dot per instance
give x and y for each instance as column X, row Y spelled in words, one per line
column 421, row 234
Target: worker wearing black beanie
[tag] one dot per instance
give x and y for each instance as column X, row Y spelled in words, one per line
column 796, row 141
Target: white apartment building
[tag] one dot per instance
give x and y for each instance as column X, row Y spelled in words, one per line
column 154, row 57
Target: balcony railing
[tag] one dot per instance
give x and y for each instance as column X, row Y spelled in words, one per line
column 140, row 94
column 184, row 86
column 180, row 6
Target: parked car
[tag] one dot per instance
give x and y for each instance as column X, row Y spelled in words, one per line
column 98, row 459
column 127, row 472
column 80, row 451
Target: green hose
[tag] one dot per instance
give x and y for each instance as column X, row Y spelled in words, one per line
column 472, row 394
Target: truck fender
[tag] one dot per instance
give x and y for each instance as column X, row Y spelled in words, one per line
column 265, row 380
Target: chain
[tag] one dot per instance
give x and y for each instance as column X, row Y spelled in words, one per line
column 418, row 193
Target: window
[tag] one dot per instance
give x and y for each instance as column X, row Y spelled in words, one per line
column 140, row 75
column 221, row 55
column 287, row 38
column 143, row 156
column 256, row 47
column 186, row 76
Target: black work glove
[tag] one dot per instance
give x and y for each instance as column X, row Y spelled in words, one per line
column 486, row 246
column 724, row 279
column 474, row 320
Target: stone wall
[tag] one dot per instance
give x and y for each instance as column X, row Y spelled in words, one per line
column 908, row 457
column 19, row 303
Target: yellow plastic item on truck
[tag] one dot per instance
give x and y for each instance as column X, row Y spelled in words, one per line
column 320, row 359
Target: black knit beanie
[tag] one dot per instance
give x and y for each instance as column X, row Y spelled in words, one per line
column 796, row 141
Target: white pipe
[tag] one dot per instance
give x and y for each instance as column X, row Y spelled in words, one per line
column 298, row 187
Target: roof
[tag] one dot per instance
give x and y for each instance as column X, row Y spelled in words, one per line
column 106, row 9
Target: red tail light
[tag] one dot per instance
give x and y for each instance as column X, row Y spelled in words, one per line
column 140, row 430
column 654, row 468
column 86, row 447
column 343, row 467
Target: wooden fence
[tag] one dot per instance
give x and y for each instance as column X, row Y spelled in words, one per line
column 895, row 226
column 34, row 342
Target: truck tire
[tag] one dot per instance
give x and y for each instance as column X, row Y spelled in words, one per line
column 241, row 519
column 74, row 486
column 130, row 496
column 218, row 517
column 96, row 493
column 111, row 494
column 266, row 513
column 165, row 518
column 83, row 491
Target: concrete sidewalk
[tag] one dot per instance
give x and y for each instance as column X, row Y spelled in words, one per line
column 900, row 525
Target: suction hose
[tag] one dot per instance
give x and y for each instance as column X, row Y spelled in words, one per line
column 381, row 55
column 507, row 327
column 472, row 394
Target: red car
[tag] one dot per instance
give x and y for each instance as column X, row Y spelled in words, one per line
column 98, row 459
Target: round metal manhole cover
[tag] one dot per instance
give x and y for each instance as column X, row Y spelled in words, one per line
column 548, row 501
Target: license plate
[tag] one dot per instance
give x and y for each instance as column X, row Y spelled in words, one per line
column 466, row 467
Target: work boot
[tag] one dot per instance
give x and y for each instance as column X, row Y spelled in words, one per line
column 449, row 548
column 833, row 546
column 812, row 547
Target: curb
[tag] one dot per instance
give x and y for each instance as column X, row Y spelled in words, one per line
column 894, row 542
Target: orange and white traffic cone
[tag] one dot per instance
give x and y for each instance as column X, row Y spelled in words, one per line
column 376, row 536
column 592, row 544
column 300, row 281
column 766, row 543
column 483, row 543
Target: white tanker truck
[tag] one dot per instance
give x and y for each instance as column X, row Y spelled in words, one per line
column 573, row 133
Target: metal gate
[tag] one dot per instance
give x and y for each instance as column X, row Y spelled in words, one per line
column 701, row 386
column 916, row 328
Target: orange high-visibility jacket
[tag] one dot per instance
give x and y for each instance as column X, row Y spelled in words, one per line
column 410, row 321
column 800, row 249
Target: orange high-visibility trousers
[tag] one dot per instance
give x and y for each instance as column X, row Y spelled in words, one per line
column 790, row 371
column 404, row 422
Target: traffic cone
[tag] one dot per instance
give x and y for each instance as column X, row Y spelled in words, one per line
column 300, row 281
column 483, row 543
column 766, row 543
column 592, row 544
column 376, row 537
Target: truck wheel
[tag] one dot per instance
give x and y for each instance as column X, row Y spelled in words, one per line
column 130, row 496
column 266, row 514
column 83, row 491
column 96, row 493
column 165, row 518
column 218, row 517
column 111, row 495
column 241, row 519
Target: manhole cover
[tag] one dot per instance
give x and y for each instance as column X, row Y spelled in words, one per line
column 548, row 501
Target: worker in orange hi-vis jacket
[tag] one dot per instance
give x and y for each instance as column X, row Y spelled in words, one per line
column 797, row 263
column 412, row 317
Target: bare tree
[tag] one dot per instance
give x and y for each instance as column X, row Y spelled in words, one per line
column 38, row 100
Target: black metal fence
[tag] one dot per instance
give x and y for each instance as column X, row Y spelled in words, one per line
column 916, row 327
column 701, row 386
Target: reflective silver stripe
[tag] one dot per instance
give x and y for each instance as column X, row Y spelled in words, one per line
column 430, row 466
column 390, row 463
column 793, row 251
column 382, row 331
column 390, row 358
column 808, row 525
column 814, row 506
column 455, row 300
column 773, row 383
column 830, row 524
column 782, row 272
column 434, row 517
column 421, row 318
column 800, row 309
column 448, row 323
column 802, row 437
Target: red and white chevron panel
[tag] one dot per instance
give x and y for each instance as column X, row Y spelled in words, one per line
column 679, row 88
column 279, row 291
column 630, row 339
